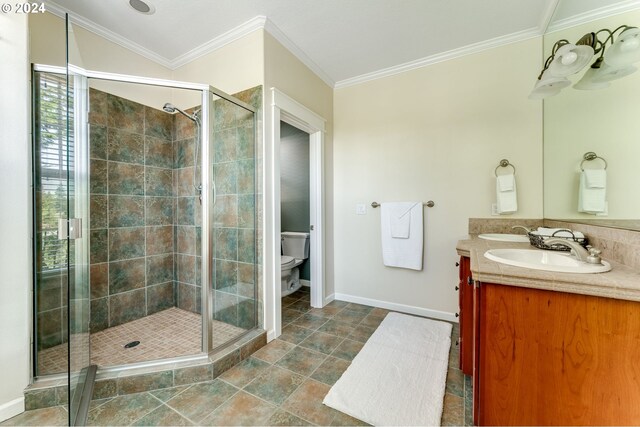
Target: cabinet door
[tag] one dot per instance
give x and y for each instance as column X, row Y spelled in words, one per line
column 553, row 358
column 466, row 317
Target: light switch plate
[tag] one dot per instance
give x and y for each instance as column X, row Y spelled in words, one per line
column 361, row 209
column 494, row 209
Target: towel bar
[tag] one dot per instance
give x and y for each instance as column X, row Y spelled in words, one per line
column 589, row 156
column 503, row 164
column 429, row 204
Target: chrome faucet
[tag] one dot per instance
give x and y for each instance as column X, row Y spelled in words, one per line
column 591, row 256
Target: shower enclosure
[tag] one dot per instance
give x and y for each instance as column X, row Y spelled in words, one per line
column 144, row 222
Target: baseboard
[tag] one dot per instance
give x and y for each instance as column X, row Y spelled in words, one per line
column 328, row 299
column 271, row 335
column 402, row 308
column 305, row 283
column 12, row 408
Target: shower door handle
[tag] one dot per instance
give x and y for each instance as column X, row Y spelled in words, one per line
column 73, row 226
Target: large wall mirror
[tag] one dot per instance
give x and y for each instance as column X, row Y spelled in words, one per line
column 601, row 119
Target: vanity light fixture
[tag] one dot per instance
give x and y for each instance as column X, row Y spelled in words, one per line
column 611, row 64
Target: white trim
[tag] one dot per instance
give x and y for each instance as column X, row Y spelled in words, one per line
column 547, row 15
column 284, row 108
column 402, row 308
column 256, row 23
column 329, row 298
column 91, row 26
column 222, row 40
column 271, row 335
column 305, row 283
column 297, row 114
column 441, row 57
column 592, row 15
column 272, row 29
column 12, row 408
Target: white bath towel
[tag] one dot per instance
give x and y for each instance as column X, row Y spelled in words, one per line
column 592, row 193
column 506, row 194
column 400, row 218
column 402, row 252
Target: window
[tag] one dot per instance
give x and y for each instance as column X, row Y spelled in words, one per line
column 54, row 160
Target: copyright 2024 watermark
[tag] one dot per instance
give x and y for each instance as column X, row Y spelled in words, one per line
column 34, row 7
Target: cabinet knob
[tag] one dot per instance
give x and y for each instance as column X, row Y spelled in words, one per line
column 469, row 281
column 457, row 288
column 457, row 314
column 458, row 341
column 457, row 264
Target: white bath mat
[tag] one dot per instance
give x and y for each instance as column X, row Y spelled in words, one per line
column 399, row 376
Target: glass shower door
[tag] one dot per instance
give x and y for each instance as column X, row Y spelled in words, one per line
column 75, row 229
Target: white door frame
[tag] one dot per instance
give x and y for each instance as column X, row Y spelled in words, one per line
column 286, row 109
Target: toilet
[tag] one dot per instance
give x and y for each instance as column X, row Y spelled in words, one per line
column 295, row 249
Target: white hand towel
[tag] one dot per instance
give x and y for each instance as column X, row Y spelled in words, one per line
column 595, row 178
column 506, row 182
column 592, row 193
column 403, row 253
column 401, row 220
column 506, row 194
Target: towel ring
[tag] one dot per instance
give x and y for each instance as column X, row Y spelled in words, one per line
column 589, row 156
column 503, row 164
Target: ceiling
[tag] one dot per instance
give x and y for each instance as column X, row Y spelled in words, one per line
column 343, row 41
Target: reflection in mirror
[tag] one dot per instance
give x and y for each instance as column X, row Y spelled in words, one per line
column 591, row 153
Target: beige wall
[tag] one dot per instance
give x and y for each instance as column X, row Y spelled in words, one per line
column 232, row 68
column 604, row 121
column 286, row 73
column 93, row 52
column 15, row 246
column 434, row 133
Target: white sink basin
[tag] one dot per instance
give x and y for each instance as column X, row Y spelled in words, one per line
column 505, row 237
column 545, row 260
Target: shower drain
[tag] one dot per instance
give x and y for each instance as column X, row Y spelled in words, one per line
column 131, row 344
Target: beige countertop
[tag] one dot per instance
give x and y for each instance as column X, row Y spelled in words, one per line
column 621, row 282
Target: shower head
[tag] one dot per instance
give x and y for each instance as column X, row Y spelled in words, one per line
column 170, row 108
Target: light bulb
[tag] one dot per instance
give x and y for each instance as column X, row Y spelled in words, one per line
column 569, row 58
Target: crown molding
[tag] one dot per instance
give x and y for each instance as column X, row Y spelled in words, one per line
column 272, row 29
column 257, row 23
column 222, row 40
column 441, row 57
column 107, row 34
column 594, row 14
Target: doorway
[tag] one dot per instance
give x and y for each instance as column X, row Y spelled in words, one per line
column 295, row 221
column 287, row 110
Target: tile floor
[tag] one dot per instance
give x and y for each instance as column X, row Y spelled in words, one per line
column 281, row 384
column 107, row 347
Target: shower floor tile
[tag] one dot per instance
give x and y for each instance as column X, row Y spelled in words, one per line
column 166, row 334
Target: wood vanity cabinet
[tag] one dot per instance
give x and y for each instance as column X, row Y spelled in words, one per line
column 465, row 289
column 554, row 358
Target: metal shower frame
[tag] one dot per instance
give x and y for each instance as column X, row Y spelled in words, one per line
column 208, row 201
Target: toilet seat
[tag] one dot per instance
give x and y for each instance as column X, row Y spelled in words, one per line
column 286, row 261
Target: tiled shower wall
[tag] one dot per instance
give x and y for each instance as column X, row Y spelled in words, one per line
column 132, row 210
column 234, row 227
column 145, row 224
